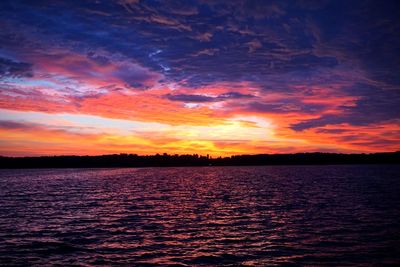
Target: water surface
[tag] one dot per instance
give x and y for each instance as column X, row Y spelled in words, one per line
column 268, row 215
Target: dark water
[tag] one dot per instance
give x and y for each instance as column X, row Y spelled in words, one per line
column 274, row 215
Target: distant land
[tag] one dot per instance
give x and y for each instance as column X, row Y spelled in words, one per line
column 166, row 160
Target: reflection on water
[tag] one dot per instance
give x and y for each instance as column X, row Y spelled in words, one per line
column 273, row 215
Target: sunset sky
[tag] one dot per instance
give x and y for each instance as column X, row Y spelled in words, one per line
column 207, row 77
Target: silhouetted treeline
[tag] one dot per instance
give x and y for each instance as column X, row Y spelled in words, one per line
column 133, row 160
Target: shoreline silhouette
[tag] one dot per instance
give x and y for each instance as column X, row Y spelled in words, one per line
column 167, row 160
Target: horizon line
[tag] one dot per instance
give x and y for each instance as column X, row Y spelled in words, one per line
column 201, row 155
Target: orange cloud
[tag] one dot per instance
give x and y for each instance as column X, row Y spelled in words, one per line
column 225, row 118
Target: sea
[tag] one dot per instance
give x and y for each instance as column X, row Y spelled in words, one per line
column 335, row 215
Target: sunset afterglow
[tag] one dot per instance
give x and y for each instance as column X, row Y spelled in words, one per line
column 207, row 77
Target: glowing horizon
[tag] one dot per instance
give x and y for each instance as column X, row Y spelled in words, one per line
column 185, row 77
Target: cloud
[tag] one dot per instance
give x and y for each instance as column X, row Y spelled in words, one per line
column 14, row 125
column 208, row 52
column 136, row 76
column 32, row 127
column 290, row 106
column 373, row 105
column 254, row 45
column 14, row 69
column 190, row 98
column 204, row 37
column 99, row 59
column 205, row 98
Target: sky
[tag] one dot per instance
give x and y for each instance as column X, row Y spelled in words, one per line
column 207, row 77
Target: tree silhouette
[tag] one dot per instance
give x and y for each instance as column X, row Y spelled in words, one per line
column 165, row 160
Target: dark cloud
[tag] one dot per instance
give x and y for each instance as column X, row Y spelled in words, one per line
column 283, row 106
column 205, row 98
column 136, row 76
column 13, row 125
column 136, row 29
column 30, row 126
column 99, row 59
column 331, row 131
column 373, row 106
column 190, row 98
column 14, row 69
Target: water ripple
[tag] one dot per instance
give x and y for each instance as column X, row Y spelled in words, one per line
column 250, row 216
